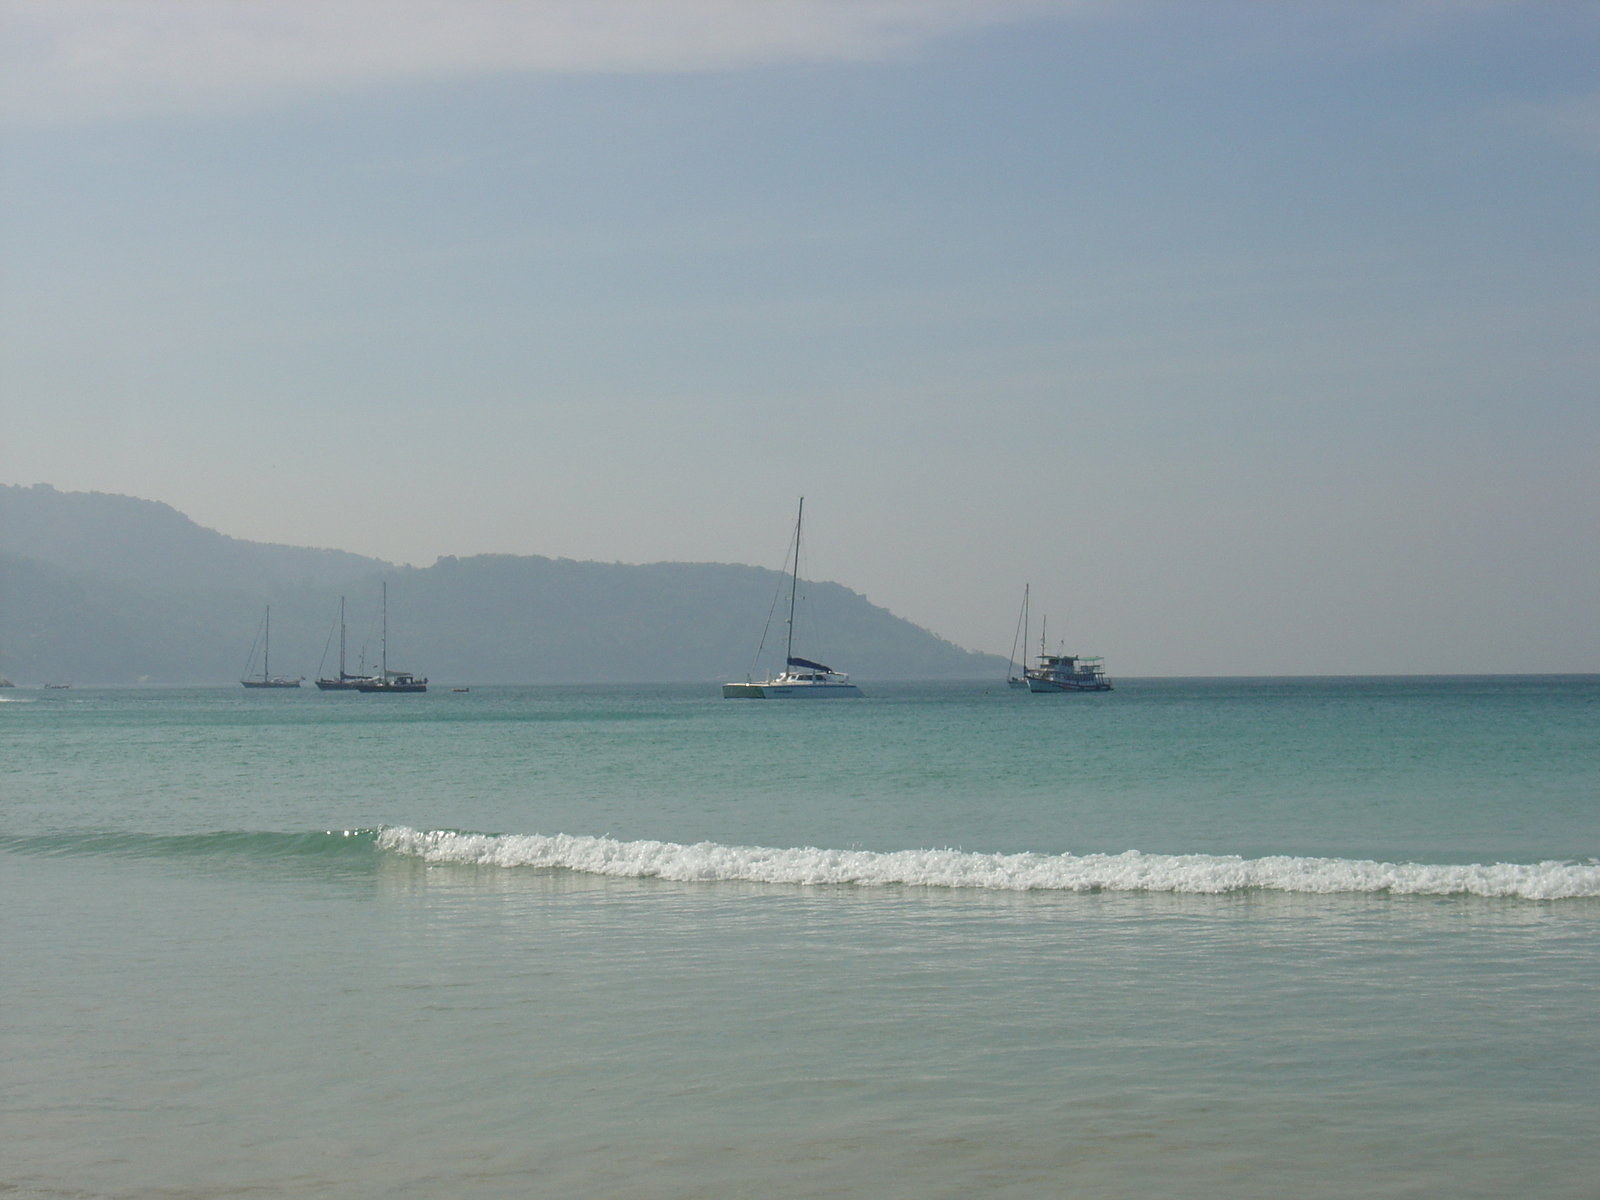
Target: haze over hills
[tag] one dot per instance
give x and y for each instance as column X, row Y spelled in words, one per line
column 148, row 542
column 99, row 588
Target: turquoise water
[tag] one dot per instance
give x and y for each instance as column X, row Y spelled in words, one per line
column 1191, row 938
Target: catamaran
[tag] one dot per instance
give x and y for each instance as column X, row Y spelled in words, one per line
column 387, row 680
column 344, row 682
column 268, row 679
column 801, row 678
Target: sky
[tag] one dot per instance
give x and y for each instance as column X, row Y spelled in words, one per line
column 1257, row 338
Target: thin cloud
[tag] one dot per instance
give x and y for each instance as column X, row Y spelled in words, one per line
column 68, row 60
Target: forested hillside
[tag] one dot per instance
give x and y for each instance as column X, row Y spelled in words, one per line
column 110, row 589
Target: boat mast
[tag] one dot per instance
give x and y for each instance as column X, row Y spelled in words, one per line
column 1025, row 629
column 341, row 637
column 385, row 642
column 266, row 649
column 794, row 584
column 1019, row 638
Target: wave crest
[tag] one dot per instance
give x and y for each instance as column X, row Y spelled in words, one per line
column 1129, row 872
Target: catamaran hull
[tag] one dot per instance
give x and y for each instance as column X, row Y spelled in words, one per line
column 788, row 691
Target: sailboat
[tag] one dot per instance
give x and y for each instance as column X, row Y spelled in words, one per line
column 387, row 680
column 268, row 679
column 344, row 682
column 1017, row 669
column 801, row 678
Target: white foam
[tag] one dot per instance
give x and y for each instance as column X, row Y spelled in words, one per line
column 1129, row 872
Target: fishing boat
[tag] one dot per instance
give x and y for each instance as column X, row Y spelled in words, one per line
column 801, row 678
column 1017, row 667
column 268, row 679
column 343, row 682
column 387, row 680
column 1065, row 672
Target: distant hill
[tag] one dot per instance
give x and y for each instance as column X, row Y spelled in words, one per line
column 110, row 589
column 153, row 543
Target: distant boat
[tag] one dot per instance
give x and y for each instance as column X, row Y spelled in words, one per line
column 1066, row 672
column 56, row 687
column 5, row 683
column 268, row 679
column 1017, row 668
column 344, row 682
column 460, row 689
column 801, row 678
column 387, row 680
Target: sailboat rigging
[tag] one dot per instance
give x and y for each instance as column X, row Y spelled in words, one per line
column 801, row 677
column 343, row 682
column 268, row 679
column 387, row 680
column 1017, row 668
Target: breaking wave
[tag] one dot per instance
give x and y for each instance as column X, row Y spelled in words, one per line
column 1128, row 872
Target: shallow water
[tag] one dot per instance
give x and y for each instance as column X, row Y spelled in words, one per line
column 212, row 987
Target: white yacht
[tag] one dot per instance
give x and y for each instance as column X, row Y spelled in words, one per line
column 801, row 678
column 1066, row 672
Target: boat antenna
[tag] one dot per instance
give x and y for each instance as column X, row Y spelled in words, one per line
column 794, row 584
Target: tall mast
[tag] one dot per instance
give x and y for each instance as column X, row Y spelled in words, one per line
column 266, row 649
column 341, row 637
column 1043, row 625
column 794, row 583
column 1025, row 588
column 385, row 643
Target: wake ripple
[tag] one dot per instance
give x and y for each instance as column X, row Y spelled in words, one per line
column 1129, row 872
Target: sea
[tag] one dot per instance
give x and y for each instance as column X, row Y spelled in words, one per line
column 1190, row 938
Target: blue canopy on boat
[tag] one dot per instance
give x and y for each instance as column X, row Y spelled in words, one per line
column 806, row 662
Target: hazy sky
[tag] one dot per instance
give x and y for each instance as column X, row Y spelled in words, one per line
column 1260, row 338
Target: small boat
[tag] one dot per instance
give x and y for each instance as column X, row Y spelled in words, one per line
column 268, row 679
column 388, row 681
column 801, row 678
column 344, row 682
column 460, row 689
column 1066, row 672
column 1017, row 669
column 5, row 683
column 56, row 687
